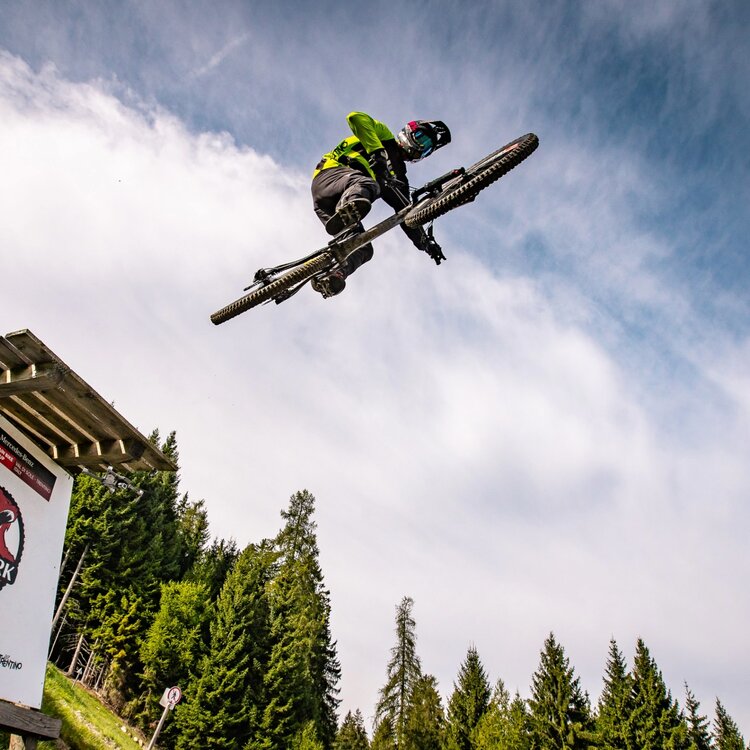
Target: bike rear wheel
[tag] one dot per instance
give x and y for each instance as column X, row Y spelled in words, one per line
column 273, row 289
column 475, row 178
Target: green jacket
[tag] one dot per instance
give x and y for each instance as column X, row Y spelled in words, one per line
column 353, row 151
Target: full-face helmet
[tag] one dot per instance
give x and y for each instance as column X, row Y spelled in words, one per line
column 419, row 138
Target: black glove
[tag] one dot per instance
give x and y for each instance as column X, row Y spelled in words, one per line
column 432, row 248
column 380, row 166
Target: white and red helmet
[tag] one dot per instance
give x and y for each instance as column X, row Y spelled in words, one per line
column 419, row 138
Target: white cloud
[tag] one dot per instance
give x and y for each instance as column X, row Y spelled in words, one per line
column 469, row 440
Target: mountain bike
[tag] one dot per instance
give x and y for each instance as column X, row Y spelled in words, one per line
column 437, row 197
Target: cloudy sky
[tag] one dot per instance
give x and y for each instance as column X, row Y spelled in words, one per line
column 549, row 432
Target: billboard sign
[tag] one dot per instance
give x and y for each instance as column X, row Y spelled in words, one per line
column 34, row 502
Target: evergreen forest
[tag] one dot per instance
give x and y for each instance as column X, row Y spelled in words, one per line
column 148, row 600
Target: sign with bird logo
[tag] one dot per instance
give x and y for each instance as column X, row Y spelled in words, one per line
column 34, row 502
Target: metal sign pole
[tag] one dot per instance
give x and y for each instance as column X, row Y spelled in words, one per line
column 169, row 700
column 158, row 728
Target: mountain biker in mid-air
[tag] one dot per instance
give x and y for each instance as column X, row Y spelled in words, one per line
column 364, row 166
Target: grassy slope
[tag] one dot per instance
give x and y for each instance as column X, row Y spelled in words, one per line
column 87, row 723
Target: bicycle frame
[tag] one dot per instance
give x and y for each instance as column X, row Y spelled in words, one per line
column 342, row 246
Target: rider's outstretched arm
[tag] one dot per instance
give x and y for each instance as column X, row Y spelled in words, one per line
column 397, row 199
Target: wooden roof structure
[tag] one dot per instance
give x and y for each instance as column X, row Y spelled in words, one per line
column 66, row 417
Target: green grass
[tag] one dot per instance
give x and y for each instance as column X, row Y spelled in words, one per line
column 86, row 723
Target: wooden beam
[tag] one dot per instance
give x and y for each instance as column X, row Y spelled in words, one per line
column 32, row 378
column 28, row 411
column 27, row 346
column 28, row 722
column 90, row 455
column 10, row 356
column 70, row 417
column 21, row 424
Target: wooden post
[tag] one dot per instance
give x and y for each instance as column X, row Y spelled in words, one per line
column 69, row 588
column 57, row 635
column 74, row 661
column 86, row 669
column 27, row 726
column 64, row 563
column 100, row 676
column 21, row 743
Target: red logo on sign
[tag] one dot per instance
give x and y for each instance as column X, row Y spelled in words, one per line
column 11, row 538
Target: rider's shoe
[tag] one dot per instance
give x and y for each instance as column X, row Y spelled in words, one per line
column 348, row 214
column 331, row 285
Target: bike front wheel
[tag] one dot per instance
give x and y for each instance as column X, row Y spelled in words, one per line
column 476, row 178
column 274, row 288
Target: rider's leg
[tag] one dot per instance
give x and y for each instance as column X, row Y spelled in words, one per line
column 329, row 188
column 360, row 256
column 334, row 283
column 342, row 197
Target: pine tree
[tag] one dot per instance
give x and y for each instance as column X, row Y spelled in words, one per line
column 504, row 724
column 384, row 736
column 615, row 703
column 174, row 643
column 225, row 700
column 726, row 732
column 152, row 548
column 192, row 531
column 699, row 735
column 306, row 738
column 134, row 546
column 489, row 732
column 93, row 528
column 519, row 729
column 303, row 671
column 655, row 722
column 404, row 669
column 559, row 710
column 213, row 566
column 352, row 734
column 115, row 631
column 95, row 522
column 468, row 703
column 288, row 679
column 423, row 729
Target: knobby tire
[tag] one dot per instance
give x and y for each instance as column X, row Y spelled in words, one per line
column 475, row 178
column 271, row 290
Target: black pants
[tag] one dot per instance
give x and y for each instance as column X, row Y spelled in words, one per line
column 338, row 185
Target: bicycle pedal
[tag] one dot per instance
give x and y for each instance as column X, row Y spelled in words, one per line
column 320, row 286
column 328, row 286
